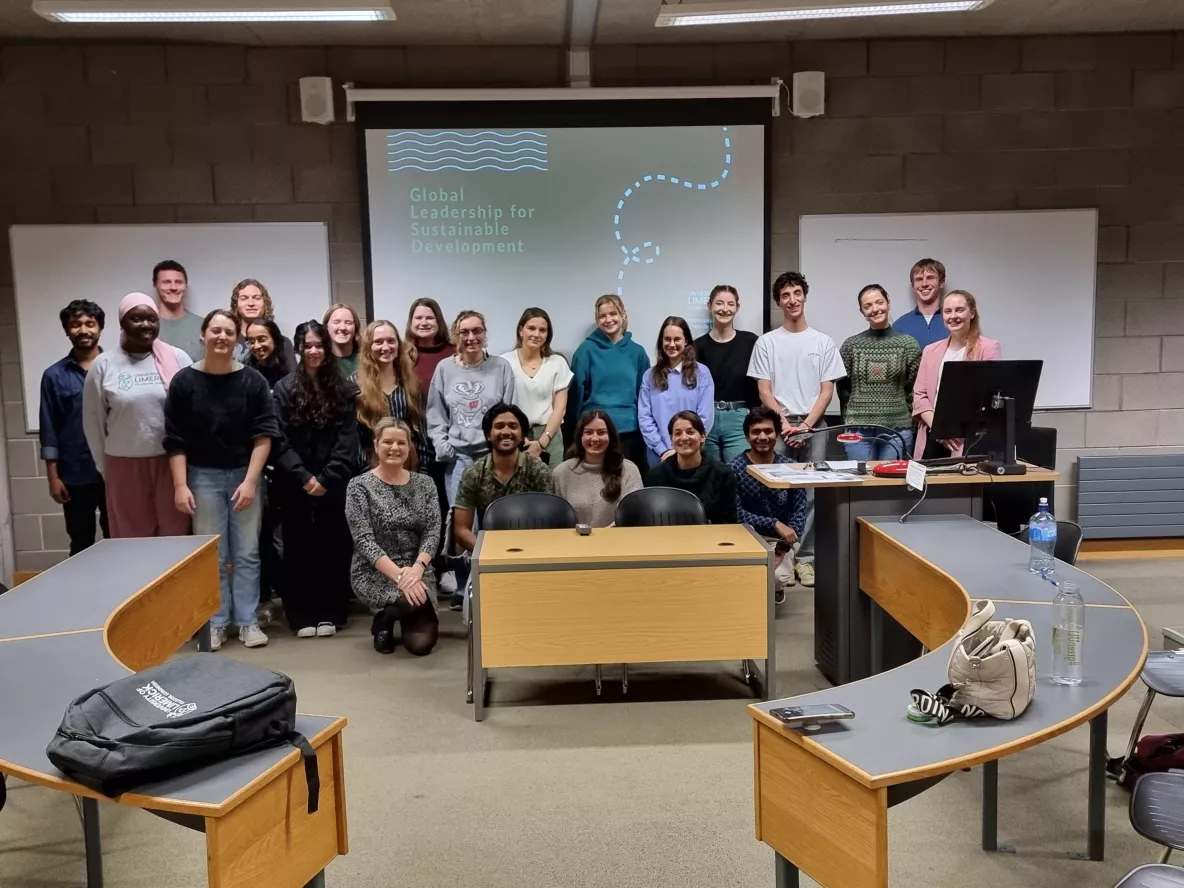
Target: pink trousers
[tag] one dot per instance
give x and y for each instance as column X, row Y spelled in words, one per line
column 140, row 498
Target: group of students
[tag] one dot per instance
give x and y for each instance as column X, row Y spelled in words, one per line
column 358, row 441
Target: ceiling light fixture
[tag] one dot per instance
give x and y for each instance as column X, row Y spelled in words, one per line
column 675, row 15
column 193, row 11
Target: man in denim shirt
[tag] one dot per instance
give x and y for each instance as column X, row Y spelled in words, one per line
column 777, row 515
column 74, row 482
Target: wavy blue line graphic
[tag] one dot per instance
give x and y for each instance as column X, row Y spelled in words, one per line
column 632, row 255
column 506, row 152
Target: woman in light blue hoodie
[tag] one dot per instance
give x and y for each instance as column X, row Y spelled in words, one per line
column 608, row 370
column 678, row 382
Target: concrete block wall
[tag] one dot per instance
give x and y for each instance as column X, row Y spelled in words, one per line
column 160, row 134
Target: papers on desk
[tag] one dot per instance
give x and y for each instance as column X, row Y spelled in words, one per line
column 784, row 473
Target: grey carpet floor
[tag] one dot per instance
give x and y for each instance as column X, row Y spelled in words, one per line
column 557, row 788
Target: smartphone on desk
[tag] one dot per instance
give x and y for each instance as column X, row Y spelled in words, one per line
column 812, row 714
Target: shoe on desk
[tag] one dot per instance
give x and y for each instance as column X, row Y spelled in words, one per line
column 252, row 636
column 805, row 572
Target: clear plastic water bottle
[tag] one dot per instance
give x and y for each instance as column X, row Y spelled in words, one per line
column 1042, row 539
column 1068, row 634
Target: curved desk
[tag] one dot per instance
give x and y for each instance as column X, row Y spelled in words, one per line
column 822, row 797
column 125, row 605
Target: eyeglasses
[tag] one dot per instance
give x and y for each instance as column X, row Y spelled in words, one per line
column 471, row 334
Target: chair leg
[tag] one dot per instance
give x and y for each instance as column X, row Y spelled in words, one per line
column 746, row 670
column 1137, row 729
column 597, row 679
column 624, row 678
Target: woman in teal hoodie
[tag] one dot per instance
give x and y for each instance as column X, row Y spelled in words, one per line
column 608, row 370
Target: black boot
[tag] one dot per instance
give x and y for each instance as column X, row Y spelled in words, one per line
column 383, row 631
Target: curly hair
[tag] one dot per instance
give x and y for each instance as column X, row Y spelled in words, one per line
column 268, row 308
column 662, row 368
column 372, row 400
column 323, row 396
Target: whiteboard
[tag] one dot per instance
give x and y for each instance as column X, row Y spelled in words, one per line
column 53, row 264
column 1033, row 275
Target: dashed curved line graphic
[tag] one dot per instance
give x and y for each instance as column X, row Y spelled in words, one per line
column 634, row 255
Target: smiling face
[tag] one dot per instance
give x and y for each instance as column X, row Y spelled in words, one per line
column 470, row 337
column 249, row 303
column 220, row 336
column 384, row 345
column 957, row 315
column 762, row 436
column 792, row 300
column 312, row 352
column 595, row 437
column 724, row 306
column 686, row 438
column 83, row 331
column 170, row 288
column 260, row 342
column 392, row 448
column 505, row 435
column 927, row 286
column 534, row 333
column 342, row 329
column 424, row 326
column 608, row 319
column 873, row 305
column 674, row 343
column 141, row 326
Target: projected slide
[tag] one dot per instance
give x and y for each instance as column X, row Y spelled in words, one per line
column 499, row 220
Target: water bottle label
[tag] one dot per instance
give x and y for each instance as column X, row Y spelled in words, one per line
column 1046, row 534
column 1066, row 644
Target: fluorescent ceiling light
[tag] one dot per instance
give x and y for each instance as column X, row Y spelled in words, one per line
column 191, row 11
column 674, row 15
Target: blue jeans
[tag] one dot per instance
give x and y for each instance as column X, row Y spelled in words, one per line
column 452, row 473
column 726, row 439
column 885, row 448
column 238, row 540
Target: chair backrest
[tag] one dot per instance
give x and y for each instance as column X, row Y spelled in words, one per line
column 529, row 511
column 659, row 507
column 1068, row 541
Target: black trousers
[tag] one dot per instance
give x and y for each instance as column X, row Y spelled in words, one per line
column 85, row 499
column 271, row 568
column 633, row 446
column 317, row 552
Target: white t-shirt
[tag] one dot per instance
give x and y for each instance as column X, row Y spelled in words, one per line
column 535, row 394
column 796, row 364
column 951, row 355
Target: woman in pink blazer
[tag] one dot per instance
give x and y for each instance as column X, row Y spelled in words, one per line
column 965, row 343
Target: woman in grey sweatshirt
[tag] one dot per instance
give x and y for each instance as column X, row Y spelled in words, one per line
column 463, row 388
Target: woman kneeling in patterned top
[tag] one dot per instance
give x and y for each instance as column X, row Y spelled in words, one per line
column 394, row 516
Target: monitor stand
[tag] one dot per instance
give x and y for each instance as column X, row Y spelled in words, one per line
column 1007, row 464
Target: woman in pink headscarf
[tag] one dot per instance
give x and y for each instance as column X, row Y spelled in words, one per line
column 123, row 417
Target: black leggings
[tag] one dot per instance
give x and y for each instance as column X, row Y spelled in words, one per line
column 419, row 626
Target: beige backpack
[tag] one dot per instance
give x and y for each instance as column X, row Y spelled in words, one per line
column 992, row 670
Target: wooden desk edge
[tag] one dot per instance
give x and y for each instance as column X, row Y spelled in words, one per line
column 1035, row 475
column 985, row 755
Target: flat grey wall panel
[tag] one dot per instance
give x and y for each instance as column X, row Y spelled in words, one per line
column 1130, row 497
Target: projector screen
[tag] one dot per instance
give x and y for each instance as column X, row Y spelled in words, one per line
column 501, row 218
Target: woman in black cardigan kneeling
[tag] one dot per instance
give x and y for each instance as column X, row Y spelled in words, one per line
column 689, row 469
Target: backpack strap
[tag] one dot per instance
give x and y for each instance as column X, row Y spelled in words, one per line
column 312, row 773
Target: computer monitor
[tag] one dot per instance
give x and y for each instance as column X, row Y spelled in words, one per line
column 977, row 397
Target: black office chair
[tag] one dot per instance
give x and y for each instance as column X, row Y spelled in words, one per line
column 523, row 511
column 659, row 507
column 1157, row 810
column 1068, row 542
column 1153, row 875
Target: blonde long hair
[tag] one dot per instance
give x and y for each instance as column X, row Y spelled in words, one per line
column 974, row 332
column 372, row 402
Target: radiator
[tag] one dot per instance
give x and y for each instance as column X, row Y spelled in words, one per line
column 1124, row 497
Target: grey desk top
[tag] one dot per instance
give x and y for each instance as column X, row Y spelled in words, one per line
column 989, row 564
column 53, row 671
column 81, row 592
column 881, row 741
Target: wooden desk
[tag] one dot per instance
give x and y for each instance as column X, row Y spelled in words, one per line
column 621, row 595
column 822, row 798
column 1034, row 475
column 76, row 626
column 843, row 618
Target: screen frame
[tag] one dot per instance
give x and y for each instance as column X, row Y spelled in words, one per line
column 564, row 114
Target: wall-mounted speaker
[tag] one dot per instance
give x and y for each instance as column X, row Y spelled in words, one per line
column 316, row 100
column 809, row 94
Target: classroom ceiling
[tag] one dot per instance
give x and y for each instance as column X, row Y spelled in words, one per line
column 544, row 22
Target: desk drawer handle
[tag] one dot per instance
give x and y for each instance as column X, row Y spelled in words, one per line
column 725, row 544
column 514, row 550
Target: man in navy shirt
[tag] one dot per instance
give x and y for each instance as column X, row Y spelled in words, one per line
column 74, row 482
column 924, row 322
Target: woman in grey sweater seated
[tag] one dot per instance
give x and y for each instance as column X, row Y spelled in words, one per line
column 598, row 475
column 394, row 517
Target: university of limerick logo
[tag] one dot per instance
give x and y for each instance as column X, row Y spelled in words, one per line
column 171, row 706
column 124, row 381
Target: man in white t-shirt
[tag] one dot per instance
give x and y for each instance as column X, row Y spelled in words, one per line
column 795, row 368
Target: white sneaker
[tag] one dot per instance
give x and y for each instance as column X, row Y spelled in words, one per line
column 324, row 630
column 252, row 636
column 217, row 636
column 805, row 574
column 307, row 632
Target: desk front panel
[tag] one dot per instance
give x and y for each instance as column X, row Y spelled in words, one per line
column 623, row 615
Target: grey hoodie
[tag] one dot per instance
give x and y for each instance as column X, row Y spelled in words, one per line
column 458, row 400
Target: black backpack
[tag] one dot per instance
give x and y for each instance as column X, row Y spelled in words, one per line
column 175, row 718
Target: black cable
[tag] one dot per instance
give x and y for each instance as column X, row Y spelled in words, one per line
column 802, row 437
